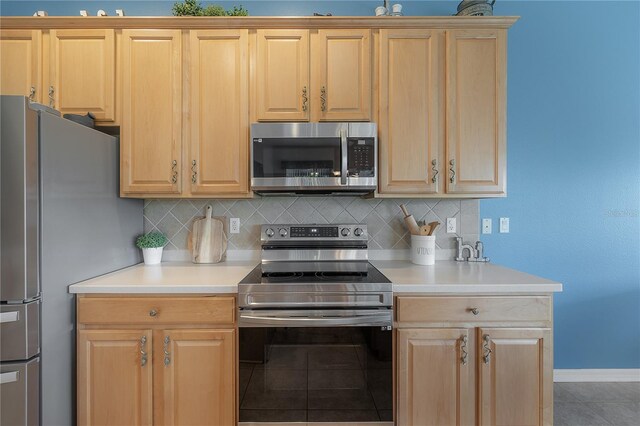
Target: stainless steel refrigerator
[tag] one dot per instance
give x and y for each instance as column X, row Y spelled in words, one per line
column 61, row 221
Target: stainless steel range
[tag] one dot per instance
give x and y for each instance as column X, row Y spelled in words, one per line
column 315, row 275
column 315, row 329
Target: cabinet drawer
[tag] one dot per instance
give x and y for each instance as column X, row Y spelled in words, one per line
column 156, row 310
column 473, row 309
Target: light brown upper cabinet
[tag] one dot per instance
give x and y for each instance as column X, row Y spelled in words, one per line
column 219, row 101
column 21, row 63
column 341, row 75
column 410, row 126
column 516, row 376
column 151, row 133
column 282, row 75
column 82, row 71
column 476, row 151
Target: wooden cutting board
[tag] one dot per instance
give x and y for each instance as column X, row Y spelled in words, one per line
column 208, row 238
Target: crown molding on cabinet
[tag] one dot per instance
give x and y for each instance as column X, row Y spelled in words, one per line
column 265, row 22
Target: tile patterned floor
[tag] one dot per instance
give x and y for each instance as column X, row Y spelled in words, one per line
column 597, row 404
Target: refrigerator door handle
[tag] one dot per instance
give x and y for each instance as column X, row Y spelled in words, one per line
column 9, row 317
column 9, row 377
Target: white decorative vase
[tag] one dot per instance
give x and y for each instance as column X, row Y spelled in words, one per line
column 152, row 256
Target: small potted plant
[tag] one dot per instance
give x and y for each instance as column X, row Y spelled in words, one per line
column 152, row 245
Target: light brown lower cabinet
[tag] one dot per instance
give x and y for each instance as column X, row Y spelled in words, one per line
column 161, row 372
column 486, row 369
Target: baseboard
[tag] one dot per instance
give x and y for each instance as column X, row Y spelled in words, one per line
column 597, row 375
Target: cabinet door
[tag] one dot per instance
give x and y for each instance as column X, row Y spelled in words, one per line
column 115, row 377
column 196, row 377
column 476, row 112
column 435, row 377
column 410, row 128
column 21, row 63
column 342, row 75
column 219, row 112
column 516, row 376
column 151, row 112
column 282, row 75
column 82, row 75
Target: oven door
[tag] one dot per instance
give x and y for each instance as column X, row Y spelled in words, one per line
column 315, row 374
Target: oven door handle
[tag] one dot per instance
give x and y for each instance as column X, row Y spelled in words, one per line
column 252, row 319
column 343, row 148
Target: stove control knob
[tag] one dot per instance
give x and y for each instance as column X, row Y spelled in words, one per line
column 269, row 232
column 358, row 232
column 345, row 232
column 283, row 232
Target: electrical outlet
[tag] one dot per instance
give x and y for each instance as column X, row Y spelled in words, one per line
column 451, row 225
column 234, row 225
column 504, row 225
column 486, row 226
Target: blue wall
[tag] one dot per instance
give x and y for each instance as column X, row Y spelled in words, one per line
column 574, row 156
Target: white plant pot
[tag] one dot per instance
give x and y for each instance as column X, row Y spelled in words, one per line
column 152, row 256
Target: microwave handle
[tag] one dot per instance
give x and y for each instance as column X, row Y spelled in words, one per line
column 343, row 148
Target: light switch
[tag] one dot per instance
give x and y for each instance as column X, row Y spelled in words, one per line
column 504, row 225
column 486, row 226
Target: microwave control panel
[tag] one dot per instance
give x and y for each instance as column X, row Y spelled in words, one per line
column 361, row 157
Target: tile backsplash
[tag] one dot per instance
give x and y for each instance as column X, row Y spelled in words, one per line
column 383, row 217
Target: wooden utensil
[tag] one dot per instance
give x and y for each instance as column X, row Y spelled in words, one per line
column 425, row 230
column 432, row 227
column 412, row 226
column 208, row 239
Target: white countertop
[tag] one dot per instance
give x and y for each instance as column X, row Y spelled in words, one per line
column 461, row 277
column 444, row 277
column 170, row 277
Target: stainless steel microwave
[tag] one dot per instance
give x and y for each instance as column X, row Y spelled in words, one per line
column 314, row 158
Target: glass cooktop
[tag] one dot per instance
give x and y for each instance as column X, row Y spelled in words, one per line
column 372, row 275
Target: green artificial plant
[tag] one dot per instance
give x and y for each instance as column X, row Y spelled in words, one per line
column 194, row 8
column 151, row 240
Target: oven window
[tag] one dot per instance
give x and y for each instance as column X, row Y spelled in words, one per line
column 296, row 157
column 339, row 374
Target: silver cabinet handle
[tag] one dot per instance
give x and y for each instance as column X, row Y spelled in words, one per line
column 153, row 312
column 32, row 93
column 174, row 171
column 143, row 353
column 9, row 377
column 323, row 98
column 487, row 350
column 194, row 175
column 305, row 99
column 463, row 350
column 52, row 101
column 474, row 311
column 167, row 354
column 9, row 317
column 434, row 169
column 452, row 169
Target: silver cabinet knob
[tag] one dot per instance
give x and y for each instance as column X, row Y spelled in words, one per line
column 345, row 232
column 153, row 313
column 283, row 232
column 474, row 311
